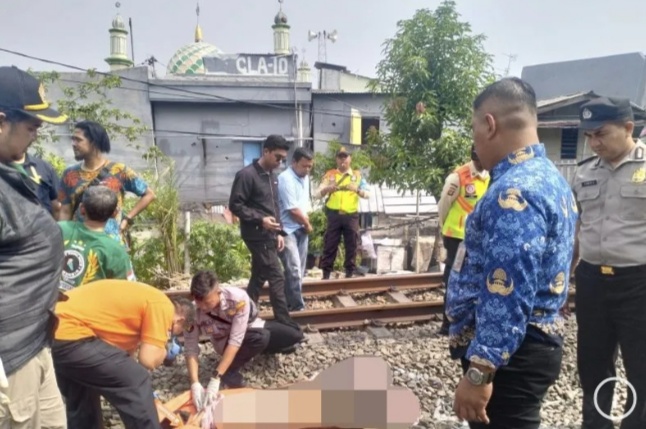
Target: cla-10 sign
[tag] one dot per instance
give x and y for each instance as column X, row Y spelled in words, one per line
column 250, row 64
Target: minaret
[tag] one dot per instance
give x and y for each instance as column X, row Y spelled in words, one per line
column 304, row 74
column 281, row 32
column 118, row 58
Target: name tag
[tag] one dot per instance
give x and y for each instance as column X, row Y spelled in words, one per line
column 459, row 258
column 589, row 183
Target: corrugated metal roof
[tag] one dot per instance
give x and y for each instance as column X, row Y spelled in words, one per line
column 391, row 202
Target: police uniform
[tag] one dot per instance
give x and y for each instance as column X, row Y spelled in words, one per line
column 462, row 190
column 235, row 322
column 611, row 274
column 342, row 210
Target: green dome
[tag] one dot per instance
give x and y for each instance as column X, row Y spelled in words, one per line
column 188, row 59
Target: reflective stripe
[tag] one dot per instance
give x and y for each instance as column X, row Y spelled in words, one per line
column 455, row 222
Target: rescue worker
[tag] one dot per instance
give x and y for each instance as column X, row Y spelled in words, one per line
column 31, row 260
column 510, row 274
column 343, row 187
column 90, row 254
column 101, row 327
column 231, row 321
column 462, row 190
column 254, row 200
column 610, row 277
column 91, row 144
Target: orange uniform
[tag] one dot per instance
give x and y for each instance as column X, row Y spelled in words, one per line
column 120, row 312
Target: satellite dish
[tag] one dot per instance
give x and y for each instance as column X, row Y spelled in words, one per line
column 333, row 36
column 311, row 35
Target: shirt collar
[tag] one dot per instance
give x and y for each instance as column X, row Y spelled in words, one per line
column 517, row 157
column 475, row 173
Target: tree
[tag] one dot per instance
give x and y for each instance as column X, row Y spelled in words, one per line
column 431, row 72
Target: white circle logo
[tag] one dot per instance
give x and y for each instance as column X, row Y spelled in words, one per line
column 623, row 416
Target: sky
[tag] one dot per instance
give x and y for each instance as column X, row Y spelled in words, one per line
column 75, row 32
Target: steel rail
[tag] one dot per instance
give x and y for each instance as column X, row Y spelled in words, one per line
column 368, row 284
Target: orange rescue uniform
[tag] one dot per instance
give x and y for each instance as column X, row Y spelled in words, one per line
column 120, row 312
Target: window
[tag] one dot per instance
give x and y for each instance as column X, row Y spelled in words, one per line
column 569, row 143
column 250, row 151
column 366, row 124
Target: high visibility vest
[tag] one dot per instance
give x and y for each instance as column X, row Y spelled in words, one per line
column 470, row 192
column 341, row 200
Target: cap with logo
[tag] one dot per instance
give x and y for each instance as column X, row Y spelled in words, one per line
column 596, row 113
column 342, row 152
column 23, row 92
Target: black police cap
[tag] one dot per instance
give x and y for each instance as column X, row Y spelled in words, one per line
column 596, row 113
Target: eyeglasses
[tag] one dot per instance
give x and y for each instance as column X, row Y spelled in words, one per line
column 279, row 158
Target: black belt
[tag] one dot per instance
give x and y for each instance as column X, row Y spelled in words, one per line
column 608, row 270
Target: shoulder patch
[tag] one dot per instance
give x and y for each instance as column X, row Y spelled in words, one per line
column 585, row 161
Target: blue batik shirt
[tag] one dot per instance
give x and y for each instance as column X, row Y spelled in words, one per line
column 513, row 278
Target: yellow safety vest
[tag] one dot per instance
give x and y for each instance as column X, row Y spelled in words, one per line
column 470, row 192
column 342, row 200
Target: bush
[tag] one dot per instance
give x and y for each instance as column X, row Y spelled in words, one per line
column 219, row 247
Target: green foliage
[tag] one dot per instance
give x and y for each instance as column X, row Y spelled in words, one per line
column 219, row 247
column 432, row 70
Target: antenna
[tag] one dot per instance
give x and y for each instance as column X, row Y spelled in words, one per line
column 512, row 58
column 132, row 40
column 323, row 37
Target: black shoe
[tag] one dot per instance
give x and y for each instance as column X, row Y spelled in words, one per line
column 233, row 380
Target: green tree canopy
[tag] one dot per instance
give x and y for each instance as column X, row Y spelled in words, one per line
column 432, row 70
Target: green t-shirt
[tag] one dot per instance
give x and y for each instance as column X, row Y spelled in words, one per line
column 92, row 255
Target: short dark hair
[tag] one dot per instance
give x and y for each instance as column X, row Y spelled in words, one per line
column 202, row 283
column 99, row 203
column 274, row 142
column 301, row 153
column 15, row 116
column 513, row 91
column 186, row 308
column 96, row 134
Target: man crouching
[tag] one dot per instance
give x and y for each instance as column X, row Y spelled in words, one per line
column 231, row 321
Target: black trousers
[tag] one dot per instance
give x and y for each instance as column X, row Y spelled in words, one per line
column 266, row 266
column 520, row 386
column 451, row 245
column 272, row 338
column 340, row 225
column 611, row 313
column 88, row 369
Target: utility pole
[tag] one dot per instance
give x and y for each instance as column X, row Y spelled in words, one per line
column 512, row 58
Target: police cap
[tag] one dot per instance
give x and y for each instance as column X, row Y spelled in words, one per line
column 596, row 113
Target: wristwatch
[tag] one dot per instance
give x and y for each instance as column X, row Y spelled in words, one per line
column 479, row 378
column 217, row 375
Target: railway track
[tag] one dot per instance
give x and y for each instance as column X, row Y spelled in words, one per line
column 347, row 313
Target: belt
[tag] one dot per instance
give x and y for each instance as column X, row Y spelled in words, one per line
column 608, row 270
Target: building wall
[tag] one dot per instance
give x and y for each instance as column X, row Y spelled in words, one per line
column 130, row 97
column 209, row 142
column 332, row 115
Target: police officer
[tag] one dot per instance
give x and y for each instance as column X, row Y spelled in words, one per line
column 231, row 321
column 462, row 190
column 610, row 277
column 343, row 186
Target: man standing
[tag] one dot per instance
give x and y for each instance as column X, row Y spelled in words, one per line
column 90, row 254
column 90, row 143
column 344, row 187
column 462, row 190
column 254, row 200
column 31, row 260
column 610, row 278
column 102, row 325
column 43, row 175
column 231, row 321
column 510, row 274
column 294, row 197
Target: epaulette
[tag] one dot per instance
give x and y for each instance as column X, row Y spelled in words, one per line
column 587, row 160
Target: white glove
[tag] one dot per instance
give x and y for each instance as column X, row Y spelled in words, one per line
column 212, row 391
column 198, row 393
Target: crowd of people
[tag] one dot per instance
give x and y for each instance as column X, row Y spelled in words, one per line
column 76, row 325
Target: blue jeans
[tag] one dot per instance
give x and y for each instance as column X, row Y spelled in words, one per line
column 294, row 258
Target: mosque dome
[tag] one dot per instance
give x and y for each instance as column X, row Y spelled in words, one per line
column 280, row 19
column 188, row 58
column 118, row 23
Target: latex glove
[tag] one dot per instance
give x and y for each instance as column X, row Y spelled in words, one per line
column 212, row 391
column 198, row 393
